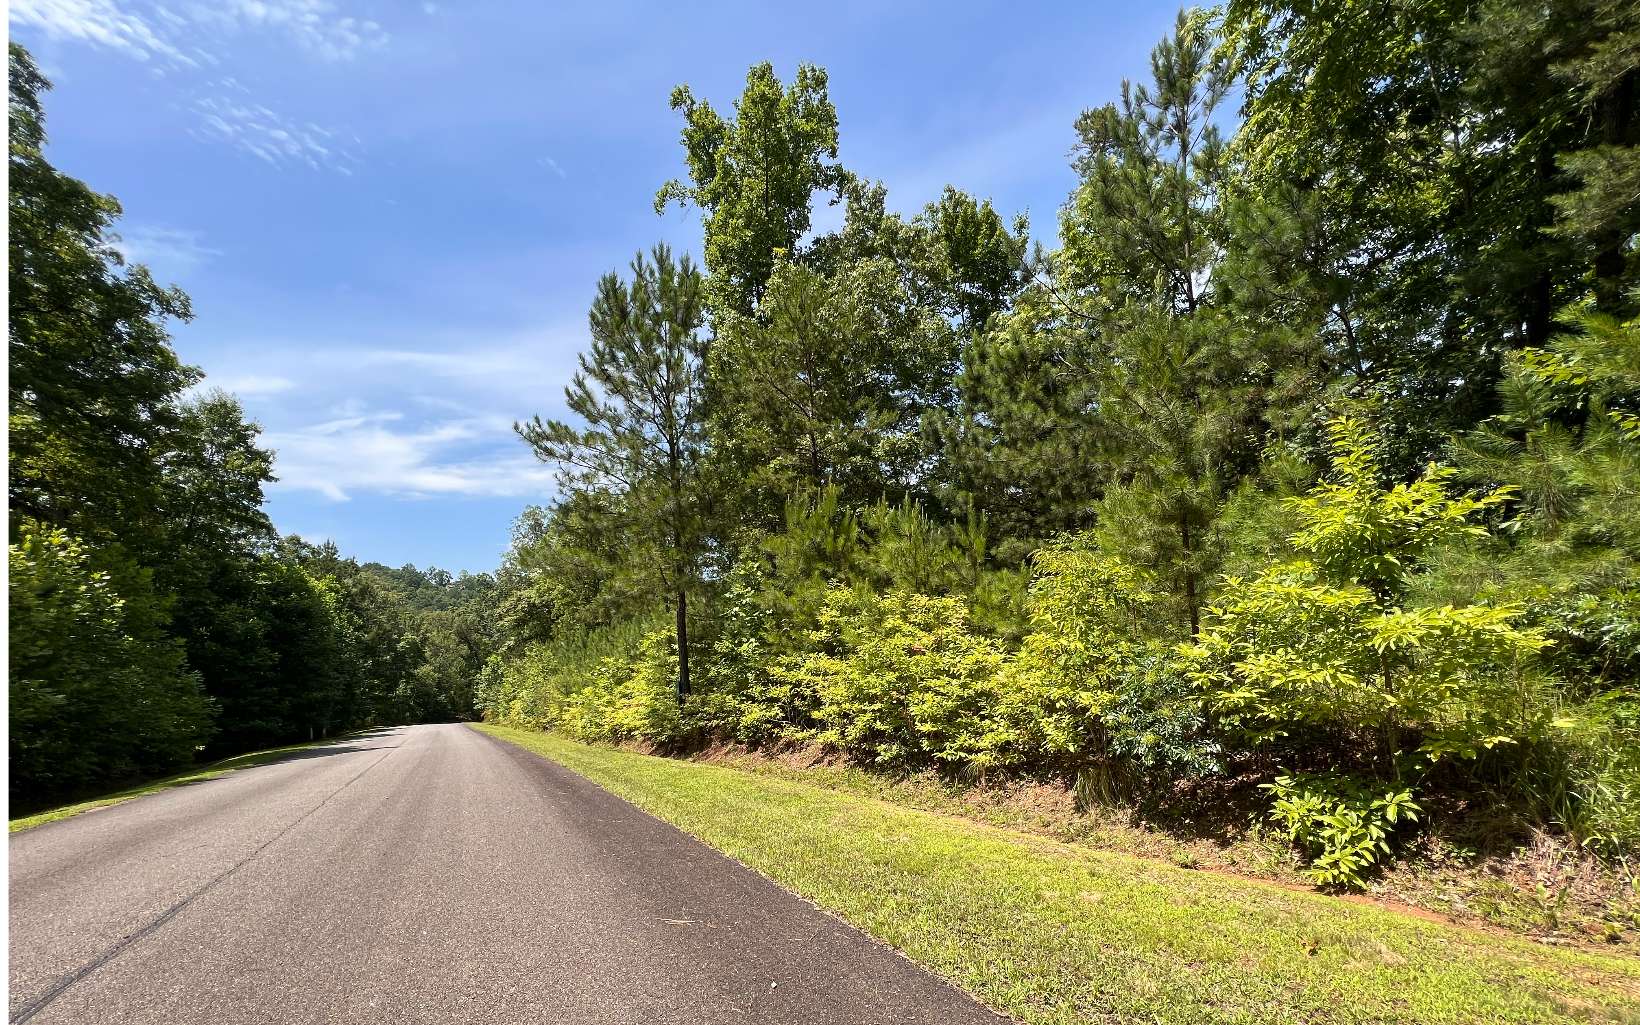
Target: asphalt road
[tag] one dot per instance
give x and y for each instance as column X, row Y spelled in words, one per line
column 424, row 874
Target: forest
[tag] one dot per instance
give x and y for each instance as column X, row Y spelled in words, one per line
column 1301, row 471
column 1297, row 464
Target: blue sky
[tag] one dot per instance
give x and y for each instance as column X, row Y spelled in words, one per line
column 391, row 216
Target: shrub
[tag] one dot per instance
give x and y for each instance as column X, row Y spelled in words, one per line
column 608, row 684
column 1087, row 612
column 1601, row 751
column 1156, row 723
column 756, row 626
column 1322, row 642
column 899, row 678
column 628, row 697
column 1343, row 823
column 1323, row 645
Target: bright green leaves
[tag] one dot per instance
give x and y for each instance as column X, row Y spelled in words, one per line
column 1309, row 642
column 1087, row 612
column 1344, row 824
column 901, row 679
column 1360, row 529
column 1321, row 648
column 97, row 689
column 754, row 176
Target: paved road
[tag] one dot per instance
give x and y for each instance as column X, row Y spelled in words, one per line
column 424, row 874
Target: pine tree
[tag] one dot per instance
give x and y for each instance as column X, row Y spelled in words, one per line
column 640, row 392
column 1169, row 374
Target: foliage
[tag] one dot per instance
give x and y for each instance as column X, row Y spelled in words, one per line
column 98, row 693
column 754, row 176
column 1343, row 823
column 899, row 678
column 641, row 392
column 1087, row 614
column 627, row 697
column 1321, row 643
column 93, row 382
column 1173, row 378
column 1156, row 725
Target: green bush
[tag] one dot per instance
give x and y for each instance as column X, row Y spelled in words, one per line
column 1343, row 823
column 900, row 678
column 756, row 626
column 1088, row 614
column 1600, row 748
column 1322, row 643
column 628, row 697
column 1322, row 650
column 1156, row 724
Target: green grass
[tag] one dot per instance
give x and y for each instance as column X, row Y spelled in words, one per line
column 1054, row 932
column 212, row 771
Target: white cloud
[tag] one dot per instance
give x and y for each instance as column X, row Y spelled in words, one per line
column 315, row 25
column 102, row 23
column 272, row 137
column 187, row 35
column 552, row 165
column 346, row 417
column 375, row 452
column 167, row 251
column 171, row 35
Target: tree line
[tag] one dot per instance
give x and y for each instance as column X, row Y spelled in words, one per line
column 1309, row 457
column 156, row 615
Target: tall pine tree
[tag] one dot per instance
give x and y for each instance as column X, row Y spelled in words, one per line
column 640, row 392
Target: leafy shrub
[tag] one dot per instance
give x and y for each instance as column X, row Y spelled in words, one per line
column 1322, row 642
column 628, row 697
column 755, row 628
column 1087, row 613
column 1323, row 645
column 900, row 678
column 1157, row 724
column 607, row 684
column 1601, row 748
column 1343, row 823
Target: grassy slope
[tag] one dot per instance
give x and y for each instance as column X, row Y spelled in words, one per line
column 1050, row 932
column 199, row 775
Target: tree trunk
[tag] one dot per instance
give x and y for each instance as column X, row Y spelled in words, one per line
column 1620, row 126
column 683, row 646
column 1190, row 602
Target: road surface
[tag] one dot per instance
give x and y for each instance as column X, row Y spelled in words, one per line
column 424, row 874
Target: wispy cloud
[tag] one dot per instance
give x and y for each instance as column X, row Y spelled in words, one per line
column 101, row 23
column 167, row 251
column 349, row 418
column 378, row 452
column 181, row 35
column 272, row 137
column 552, row 165
column 314, row 25
column 187, row 37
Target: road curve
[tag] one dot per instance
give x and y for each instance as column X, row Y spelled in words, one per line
column 424, row 874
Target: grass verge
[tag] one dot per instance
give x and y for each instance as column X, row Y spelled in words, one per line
column 212, row 771
column 1053, row 932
